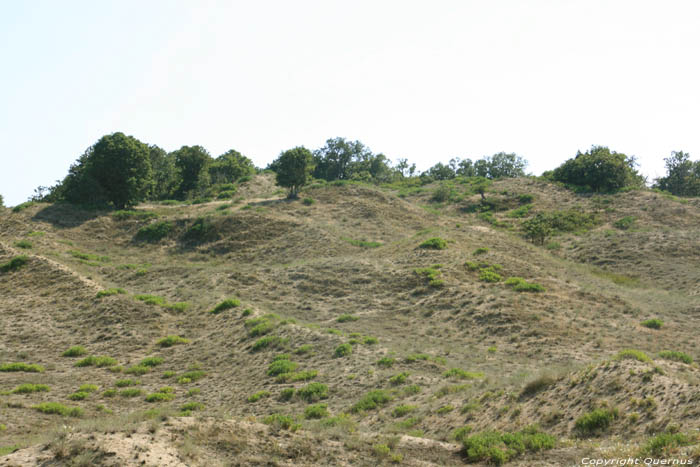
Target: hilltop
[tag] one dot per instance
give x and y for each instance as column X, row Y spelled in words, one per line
column 359, row 324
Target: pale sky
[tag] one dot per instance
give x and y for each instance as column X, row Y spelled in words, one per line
column 424, row 80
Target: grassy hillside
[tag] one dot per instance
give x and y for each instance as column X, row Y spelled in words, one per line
column 336, row 329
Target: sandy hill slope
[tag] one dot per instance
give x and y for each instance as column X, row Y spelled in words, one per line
column 344, row 341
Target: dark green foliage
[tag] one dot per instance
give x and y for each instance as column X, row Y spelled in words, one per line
column 154, row 232
column 386, row 362
column 498, row 448
column 14, row 264
column 313, row 392
column 229, row 167
column 75, row 351
column 281, row 366
column 27, row 367
column 543, row 225
column 22, row 206
column 372, row 400
column 151, row 361
column 625, row 223
column 201, row 230
column 676, row 356
column 522, row 211
column 59, row 409
column 653, row 323
column 191, row 163
column 345, row 318
column 316, row 411
column 124, row 215
column 24, row 244
column 116, row 170
column 226, row 305
column 342, row 350
column 402, row 410
column 599, row 170
column 308, row 201
column 342, row 160
column 286, row 394
column 292, row 169
column 595, row 421
column 435, row 243
column 682, row 175
column 481, row 251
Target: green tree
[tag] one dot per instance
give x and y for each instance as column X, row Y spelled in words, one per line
column 682, row 175
column 2, row 202
column 599, row 169
column 440, row 171
column 537, row 229
column 165, row 177
column 334, row 160
column 114, row 170
column 191, row 163
column 292, row 168
column 229, row 167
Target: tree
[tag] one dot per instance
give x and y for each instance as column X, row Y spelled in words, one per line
column 599, row 169
column 682, row 175
column 504, row 165
column 191, row 163
column 292, row 167
column 2, row 202
column 114, row 170
column 440, row 171
column 165, row 177
column 537, row 229
column 334, row 161
column 229, row 167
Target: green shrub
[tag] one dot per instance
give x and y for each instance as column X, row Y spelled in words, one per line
column 521, row 285
column 109, row 393
column 599, row 170
column 625, row 223
column 481, row 251
column 131, row 392
column 75, row 351
column 398, row 379
column 345, row 318
column 632, row 354
column 435, row 243
column 191, row 376
column 316, row 411
column 29, row 388
column 268, row 341
column 24, row 244
column 192, row 406
column 313, row 392
column 154, row 232
column 14, row 264
column 151, row 361
column 498, row 448
column 226, row 194
column 489, row 275
column 108, row 292
column 202, row 230
column 386, row 362
column 59, row 409
column 281, row 366
column 362, row 243
column 462, row 374
column 415, row 357
column 122, row 383
column 305, row 375
column 521, row 211
column 98, row 361
column 171, row 340
column 525, row 198
column 342, row 350
column 281, row 421
column 308, row 201
column 23, row 206
column 168, row 374
column 445, row 409
column 372, row 400
column 88, row 388
column 653, row 323
column 160, row 397
column 226, row 305
column 258, row 395
column 665, row 444
column 461, row 433
column 78, row 396
column 369, row 340
column 402, row 410
column 193, row 392
column 137, row 370
column 286, row 394
column 676, row 356
column 595, row 421
column 151, row 299
column 538, row 384
column 179, row 306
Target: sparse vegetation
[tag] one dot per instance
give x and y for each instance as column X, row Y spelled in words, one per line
column 498, row 448
column 19, row 366
column 632, row 355
column 521, row 285
column 371, row 401
column 654, row 323
column 435, row 243
column 154, row 232
column 316, row 411
column 14, row 264
column 257, row 396
column 98, row 361
column 676, row 356
column 75, row 351
column 169, row 341
column 151, row 361
column 29, row 388
column 59, row 409
column 226, row 305
column 596, row 421
column 108, row 292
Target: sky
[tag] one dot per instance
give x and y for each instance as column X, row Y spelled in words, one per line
column 422, row 80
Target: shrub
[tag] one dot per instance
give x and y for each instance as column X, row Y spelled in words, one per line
column 22, row 206
column 154, row 232
column 151, row 361
column 123, row 215
column 525, row 198
column 481, row 251
column 137, row 370
column 598, row 170
column 402, row 410
column 109, row 393
column 664, row 443
column 24, row 244
column 59, row 409
column 462, row 374
column 372, row 400
column 226, row 305
column 131, row 392
column 122, row 383
column 78, row 396
column 171, row 340
column 30, row 368
column 498, row 448
column 522, row 211
column 29, row 388
column 386, row 362
column 305, row 375
column 313, row 392
column 539, row 384
column 160, row 397
column 201, row 230
column 676, row 356
column 342, row 350
column 625, row 223
column 445, row 409
column 489, row 275
column 150, row 299
column 168, row 374
column 286, row 394
column 398, row 379
column 435, row 243
column 345, row 318
column 521, row 285
column 267, row 341
column 192, row 406
column 88, row 388
column 308, row 201
column 316, row 411
column 369, row 340
column 292, row 168
column 632, row 355
column 281, row 421
column 14, row 264
column 75, row 351
column 363, row 243
column 257, row 396
column 653, row 323
column 281, row 366
column 190, row 376
column 595, row 421
column 179, row 306
column 108, row 292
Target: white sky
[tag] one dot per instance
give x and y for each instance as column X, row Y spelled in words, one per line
column 424, row 80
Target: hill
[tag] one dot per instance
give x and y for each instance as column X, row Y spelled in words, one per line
column 326, row 331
